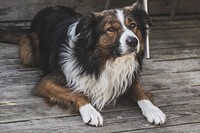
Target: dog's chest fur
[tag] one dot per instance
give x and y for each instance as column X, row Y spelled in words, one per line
column 112, row 82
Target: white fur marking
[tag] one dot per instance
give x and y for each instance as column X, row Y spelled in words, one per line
column 90, row 115
column 151, row 112
column 127, row 33
column 113, row 81
column 71, row 34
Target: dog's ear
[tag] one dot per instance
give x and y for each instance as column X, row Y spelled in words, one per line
column 85, row 30
column 84, row 23
column 138, row 10
column 138, row 4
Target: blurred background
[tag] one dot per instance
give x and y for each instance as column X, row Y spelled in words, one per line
column 24, row 10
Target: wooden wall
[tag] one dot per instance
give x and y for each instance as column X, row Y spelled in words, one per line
column 20, row 10
column 157, row 7
column 23, row 10
column 165, row 6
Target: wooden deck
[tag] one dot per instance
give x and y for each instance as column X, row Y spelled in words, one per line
column 172, row 75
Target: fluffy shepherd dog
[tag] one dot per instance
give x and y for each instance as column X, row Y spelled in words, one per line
column 89, row 60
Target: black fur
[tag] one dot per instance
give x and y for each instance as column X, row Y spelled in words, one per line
column 51, row 25
column 86, row 44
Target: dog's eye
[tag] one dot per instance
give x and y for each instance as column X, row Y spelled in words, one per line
column 111, row 29
column 132, row 25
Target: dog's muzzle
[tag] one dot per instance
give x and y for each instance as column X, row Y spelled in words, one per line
column 129, row 43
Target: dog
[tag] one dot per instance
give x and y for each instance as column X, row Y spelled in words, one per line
column 89, row 60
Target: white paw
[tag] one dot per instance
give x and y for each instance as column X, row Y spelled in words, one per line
column 152, row 113
column 90, row 115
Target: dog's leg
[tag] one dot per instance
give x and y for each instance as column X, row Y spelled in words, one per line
column 151, row 112
column 63, row 95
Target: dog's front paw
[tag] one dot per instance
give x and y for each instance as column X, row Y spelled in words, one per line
column 90, row 115
column 152, row 113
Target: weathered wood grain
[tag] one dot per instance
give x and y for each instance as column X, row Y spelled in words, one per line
column 171, row 129
column 175, row 33
column 36, row 108
column 169, row 43
column 114, row 121
column 172, row 75
column 183, row 24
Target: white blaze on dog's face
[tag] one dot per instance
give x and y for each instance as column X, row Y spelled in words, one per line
column 128, row 39
column 120, row 33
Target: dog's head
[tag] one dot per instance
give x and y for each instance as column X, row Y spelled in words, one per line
column 117, row 31
column 111, row 34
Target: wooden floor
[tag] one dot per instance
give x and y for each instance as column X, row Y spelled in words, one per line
column 172, row 75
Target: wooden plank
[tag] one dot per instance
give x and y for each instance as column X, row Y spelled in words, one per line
column 170, row 65
column 128, row 120
column 181, row 42
column 32, row 108
column 175, row 48
column 183, row 24
column 19, row 77
column 169, row 80
column 166, row 57
column 35, row 108
column 171, row 129
column 175, row 33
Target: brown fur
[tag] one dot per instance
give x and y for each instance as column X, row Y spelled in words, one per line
column 28, row 51
column 107, row 38
column 52, row 88
column 136, row 92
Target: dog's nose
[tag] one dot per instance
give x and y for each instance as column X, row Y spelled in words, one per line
column 132, row 41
